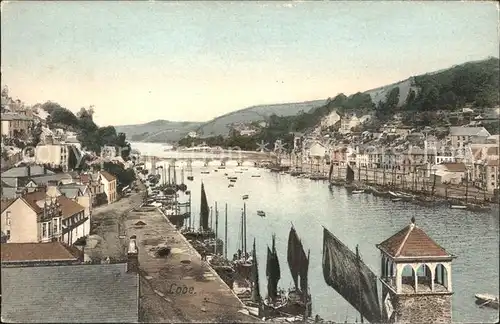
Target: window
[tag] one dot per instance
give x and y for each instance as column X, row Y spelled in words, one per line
column 7, row 218
column 8, row 234
column 50, row 228
column 44, row 230
column 55, row 227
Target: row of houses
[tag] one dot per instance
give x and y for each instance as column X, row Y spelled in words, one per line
column 38, row 205
column 466, row 153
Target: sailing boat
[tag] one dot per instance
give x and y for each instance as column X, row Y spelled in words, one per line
column 254, row 304
column 299, row 299
column 275, row 300
column 330, row 176
column 349, row 178
column 344, row 271
column 243, row 264
column 205, row 232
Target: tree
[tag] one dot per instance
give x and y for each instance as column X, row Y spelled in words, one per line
column 5, row 91
column 392, row 99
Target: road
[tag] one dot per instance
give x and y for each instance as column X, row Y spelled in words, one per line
column 107, row 229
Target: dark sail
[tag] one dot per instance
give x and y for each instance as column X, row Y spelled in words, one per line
column 304, row 269
column 350, row 277
column 293, row 261
column 331, row 171
column 349, row 177
column 204, row 210
column 273, row 271
column 255, row 277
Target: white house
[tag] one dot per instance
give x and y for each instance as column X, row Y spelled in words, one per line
column 330, row 120
column 347, row 123
column 316, row 150
column 54, row 154
column 109, row 182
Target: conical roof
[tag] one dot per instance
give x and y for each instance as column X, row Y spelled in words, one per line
column 412, row 242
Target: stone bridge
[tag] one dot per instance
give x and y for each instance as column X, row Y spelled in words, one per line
column 221, row 157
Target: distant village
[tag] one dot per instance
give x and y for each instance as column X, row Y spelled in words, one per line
column 451, row 154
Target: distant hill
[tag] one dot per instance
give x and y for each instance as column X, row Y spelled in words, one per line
column 158, row 131
column 474, row 83
column 220, row 125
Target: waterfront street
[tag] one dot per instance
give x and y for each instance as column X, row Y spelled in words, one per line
column 205, row 297
column 107, row 225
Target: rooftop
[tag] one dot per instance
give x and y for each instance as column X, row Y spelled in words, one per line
column 411, row 242
column 14, row 116
column 108, row 176
column 455, row 167
column 29, row 252
column 468, row 131
column 34, row 170
column 105, row 293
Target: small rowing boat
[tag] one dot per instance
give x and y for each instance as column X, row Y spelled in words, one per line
column 244, row 197
column 261, row 213
column 357, row 192
column 458, row 207
column 487, row 300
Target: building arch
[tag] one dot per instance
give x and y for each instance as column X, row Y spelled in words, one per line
column 408, row 276
column 441, row 277
column 424, row 277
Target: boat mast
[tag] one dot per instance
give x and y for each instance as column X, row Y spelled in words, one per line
column 433, row 183
column 225, row 234
column 413, row 180
column 245, row 228
column 359, row 292
column 216, row 227
column 211, row 214
column 175, row 173
column 191, row 221
column 242, row 226
column 466, row 185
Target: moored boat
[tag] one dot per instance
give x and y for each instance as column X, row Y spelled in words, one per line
column 299, row 299
column 261, row 213
column 276, row 299
column 487, row 300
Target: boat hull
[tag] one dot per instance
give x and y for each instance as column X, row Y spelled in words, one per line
column 487, row 300
column 295, row 304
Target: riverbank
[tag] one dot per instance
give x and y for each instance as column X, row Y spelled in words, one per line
column 417, row 185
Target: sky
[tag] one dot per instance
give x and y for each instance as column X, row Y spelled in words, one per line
column 137, row 62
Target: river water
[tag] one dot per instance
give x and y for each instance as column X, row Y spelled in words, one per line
column 355, row 219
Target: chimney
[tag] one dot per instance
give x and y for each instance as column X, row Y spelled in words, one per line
column 28, row 169
column 133, row 256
